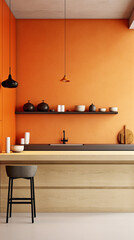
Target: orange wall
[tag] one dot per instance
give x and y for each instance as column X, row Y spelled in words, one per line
column 7, row 96
column 100, row 65
column 1, row 40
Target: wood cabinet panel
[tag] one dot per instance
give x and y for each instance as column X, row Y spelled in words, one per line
column 79, row 175
column 76, row 188
column 76, row 200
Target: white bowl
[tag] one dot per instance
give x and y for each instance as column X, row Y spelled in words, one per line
column 17, row 148
column 80, row 108
column 113, row 109
column 102, row 109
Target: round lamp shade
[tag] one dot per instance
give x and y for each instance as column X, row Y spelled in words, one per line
column 9, row 83
column 65, row 79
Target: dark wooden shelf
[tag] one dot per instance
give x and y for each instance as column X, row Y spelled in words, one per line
column 66, row 112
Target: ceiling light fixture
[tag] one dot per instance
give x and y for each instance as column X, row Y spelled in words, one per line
column 65, row 79
column 9, row 83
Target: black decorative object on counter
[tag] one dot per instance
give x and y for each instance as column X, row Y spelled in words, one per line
column 43, row 107
column 28, row 107
column 92, row 108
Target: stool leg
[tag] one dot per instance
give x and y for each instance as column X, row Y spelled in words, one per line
column 11, row 197
column 8, row 200
column 34, row 199
column 31, row 200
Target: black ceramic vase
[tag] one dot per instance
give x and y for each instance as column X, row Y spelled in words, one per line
column 28, row 107
column 43, row 107
column 92, row 108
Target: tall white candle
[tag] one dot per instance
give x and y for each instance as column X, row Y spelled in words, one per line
column 7, row 144
column 27, row 138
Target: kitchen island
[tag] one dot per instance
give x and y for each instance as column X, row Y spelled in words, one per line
column 74, row 181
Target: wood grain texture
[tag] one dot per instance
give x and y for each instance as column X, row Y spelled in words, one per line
column 68, row 157
column 78, row 200
column 125, row 136
column 86, row 175
column 76, row 188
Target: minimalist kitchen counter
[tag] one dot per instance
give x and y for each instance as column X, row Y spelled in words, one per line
column 68, row 157
column 74, row 181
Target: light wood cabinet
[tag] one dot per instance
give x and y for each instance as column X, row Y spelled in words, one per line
column 76, row 187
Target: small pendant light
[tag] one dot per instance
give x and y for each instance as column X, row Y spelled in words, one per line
column 9, row 83
column 65, row 79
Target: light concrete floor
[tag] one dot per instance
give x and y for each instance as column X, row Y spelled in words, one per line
column 69, row 226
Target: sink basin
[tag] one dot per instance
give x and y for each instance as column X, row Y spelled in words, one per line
column 66, row 145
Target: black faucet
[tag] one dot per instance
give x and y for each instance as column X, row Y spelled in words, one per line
column 64, row 140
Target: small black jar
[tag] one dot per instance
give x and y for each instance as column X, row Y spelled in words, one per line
column 43, row 107
column 28, row 107
column 92, row 108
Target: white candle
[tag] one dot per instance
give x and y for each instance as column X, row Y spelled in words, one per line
column 59, row 108
column 7, row 144
column 62, row 108
column 22, row 141
column 27, row 138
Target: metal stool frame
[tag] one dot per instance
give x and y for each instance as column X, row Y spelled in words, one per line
column 11, row 200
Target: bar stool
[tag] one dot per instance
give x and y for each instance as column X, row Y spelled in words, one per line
column 26, row 172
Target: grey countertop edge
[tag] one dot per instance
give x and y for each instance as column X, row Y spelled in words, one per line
column 85, row 147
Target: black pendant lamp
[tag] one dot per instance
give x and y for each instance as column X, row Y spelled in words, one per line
column 65, row 79
column 9, row 83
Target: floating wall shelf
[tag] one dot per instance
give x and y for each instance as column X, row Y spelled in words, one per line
column 66, row 112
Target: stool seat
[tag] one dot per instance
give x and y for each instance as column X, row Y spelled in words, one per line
column 21, row 171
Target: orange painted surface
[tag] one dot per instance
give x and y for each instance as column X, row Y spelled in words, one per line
column 8, row 96
column 1, row 41
column 0, row 48
column 0, row 74
column 100, row 64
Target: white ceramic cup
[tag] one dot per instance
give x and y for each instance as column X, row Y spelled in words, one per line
column 61, row 108
column 113, row 109
column 22, row 141
column 80, row 108
column 102, row 109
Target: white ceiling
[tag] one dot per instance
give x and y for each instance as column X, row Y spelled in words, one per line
column 76, row 9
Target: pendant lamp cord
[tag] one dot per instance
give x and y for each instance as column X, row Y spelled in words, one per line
column 65, row 37
column 9, row 36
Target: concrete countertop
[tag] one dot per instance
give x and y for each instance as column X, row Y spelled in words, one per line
column 72, row 157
